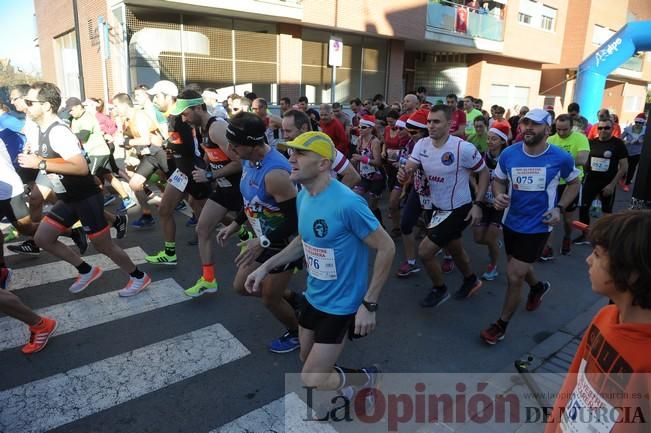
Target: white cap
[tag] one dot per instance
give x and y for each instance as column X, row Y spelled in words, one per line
column 540, row 116
column 164, row 86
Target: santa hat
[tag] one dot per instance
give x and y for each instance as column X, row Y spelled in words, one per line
column 367, row 120
column 418, row 119
column 640, row 117
column 501, row 130
column 402, row 121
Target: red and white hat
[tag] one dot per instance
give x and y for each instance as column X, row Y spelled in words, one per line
column 367, row 120
column 501, row 131
column 402, row 121
column 418, row 119
column 640, row 117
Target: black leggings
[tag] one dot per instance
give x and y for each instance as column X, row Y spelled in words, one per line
column 592, row 190
column 632, row 165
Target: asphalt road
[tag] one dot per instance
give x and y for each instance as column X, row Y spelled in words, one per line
column 173, row 364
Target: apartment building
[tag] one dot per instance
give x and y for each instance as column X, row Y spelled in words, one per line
column 509, row 52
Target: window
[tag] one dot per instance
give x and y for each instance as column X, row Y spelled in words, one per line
column 524, row 18
column 548, row 18
column 633, row 103
column 66, row 64
column 509, row 96
column 601, row 34
column 500, row 94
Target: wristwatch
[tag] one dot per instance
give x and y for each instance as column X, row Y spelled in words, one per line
column 209, row 175
column 561, row 207
column 370, row 306
column 42, row 165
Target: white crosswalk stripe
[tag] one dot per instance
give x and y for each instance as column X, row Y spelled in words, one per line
column 51, row 402
column 59, row 271
column 95, row 310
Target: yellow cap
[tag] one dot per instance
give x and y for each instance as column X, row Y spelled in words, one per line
column 317, row 142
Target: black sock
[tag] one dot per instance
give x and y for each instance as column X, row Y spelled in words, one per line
column 502, row 324
column 137, row 273
column 538, row 286
column 293, row 332
column 84, row 268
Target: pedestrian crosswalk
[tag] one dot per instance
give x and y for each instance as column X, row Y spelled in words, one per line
column 64, row 396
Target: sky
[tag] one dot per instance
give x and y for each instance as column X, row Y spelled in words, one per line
column 18, row 28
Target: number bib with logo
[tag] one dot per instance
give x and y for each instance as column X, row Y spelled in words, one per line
column 529, row 178
column 425, row 201
column 223, row 182
column 320, row 262
column 57, row 185
column 599, row 164
column 438, row 217
column 178, row 180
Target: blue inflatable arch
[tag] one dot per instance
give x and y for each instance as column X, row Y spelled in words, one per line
column 592, row 73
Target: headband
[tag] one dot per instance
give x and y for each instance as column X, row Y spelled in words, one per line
column 239, row 137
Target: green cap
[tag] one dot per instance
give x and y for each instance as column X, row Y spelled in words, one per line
column 182, row 104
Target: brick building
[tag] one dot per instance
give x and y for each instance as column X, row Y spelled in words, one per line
column 515, row 52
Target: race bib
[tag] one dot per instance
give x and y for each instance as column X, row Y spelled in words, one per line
column 320, row 262
column 587, row 411
column 438, row 217
column 393, row 154
column 599, row 164
column 366, row 169
column 57, row 185
column 223, row 182
column 528, row 178
column 425, row 201
column 178, row 180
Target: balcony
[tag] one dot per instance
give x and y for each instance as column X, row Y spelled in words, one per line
column 461, row 25
column 633, row 64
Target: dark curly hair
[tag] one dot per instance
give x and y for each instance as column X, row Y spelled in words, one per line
column 626, row 237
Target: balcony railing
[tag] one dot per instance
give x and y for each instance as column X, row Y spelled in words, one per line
column 633, row 64
column 464, row 21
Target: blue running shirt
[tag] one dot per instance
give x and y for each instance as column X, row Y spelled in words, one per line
column 532, row 184
column 333, row 225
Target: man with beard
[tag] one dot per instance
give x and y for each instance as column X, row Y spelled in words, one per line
column 532, row 169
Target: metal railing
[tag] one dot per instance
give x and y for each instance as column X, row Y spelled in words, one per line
column 633, row 64
column 464, row 21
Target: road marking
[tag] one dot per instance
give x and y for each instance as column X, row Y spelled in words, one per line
column 66, row 397
column 287, row 414
column 95, row 310
column 59, row 271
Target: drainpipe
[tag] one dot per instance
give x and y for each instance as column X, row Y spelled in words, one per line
column 81, row 68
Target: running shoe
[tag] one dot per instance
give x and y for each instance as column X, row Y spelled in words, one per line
column 448, row 264
column 581, row 240
column 28, row 247
column 407, row 269
column 78, row 236
column 127, row 204
column 536, row 295
column 566, row 247
column 202, row 286
column 435, row 297
column 374, row 381
column 108, row 199
column 490, row 274
column 493, row 333
column 84, row 280
column 468, row 288
column 143, row 222
column 547, row 254
column 288, row 342
column 192, row 221
column 180, row 206
column 161, row 258
column 11, row 234
column 5, row 277
column 39, row 335
column 135, row 286
column 121, row 223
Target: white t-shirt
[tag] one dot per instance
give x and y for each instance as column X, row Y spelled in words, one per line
column 448, row 170
column 10, row 183
column 64, row 142
column 30, row 130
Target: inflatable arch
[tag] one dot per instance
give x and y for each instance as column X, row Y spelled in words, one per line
column 592, row 73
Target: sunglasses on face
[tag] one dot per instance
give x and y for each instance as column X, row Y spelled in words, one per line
column 639, row 123
column 412, row 131
column 606, row 128
column 364, row 127
column 30, row 102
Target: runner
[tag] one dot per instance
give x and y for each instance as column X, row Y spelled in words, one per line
column 335, row 241
column 369, row 158
column 13, row 207
column 79, row 197
column 183, row 144
column 488, row 230
column 447, row 162
column 270, row 206
column 225, row 169
column 295, row 123
column 532, row 169
column 392, row 150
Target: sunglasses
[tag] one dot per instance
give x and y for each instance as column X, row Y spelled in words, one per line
column 30, row 102
column 364, row 127
column 607, row 128
column 639, row 123
column 412, row 131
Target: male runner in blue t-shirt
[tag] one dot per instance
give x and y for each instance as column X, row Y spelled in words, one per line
column 336, row 229
column 532, row 169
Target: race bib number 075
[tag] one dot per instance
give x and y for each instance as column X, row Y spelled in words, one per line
column 529, row 178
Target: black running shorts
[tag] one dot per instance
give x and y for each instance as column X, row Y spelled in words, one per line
column 90, row 211
column 526, row 247
column 328, row 328
column 450, row 228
